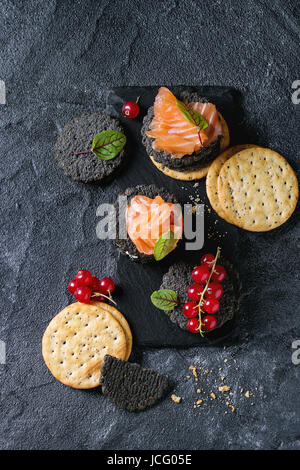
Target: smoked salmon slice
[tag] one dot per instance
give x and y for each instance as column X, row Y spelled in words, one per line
column 173, row 133
column 147, row 219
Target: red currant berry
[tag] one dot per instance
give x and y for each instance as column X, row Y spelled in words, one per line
column 84, row 278
column 193, row 325
column 209, row 323
column 200, row 274
column 72, row 286
column 130, row 109
column 219, row 273
column 83, row 294
column 107, row 286
column 194, row 292
column 95, row 284
column 211, row 306
column 190, row 309
column 214, row 290
column 99, row 298
column 208, row 259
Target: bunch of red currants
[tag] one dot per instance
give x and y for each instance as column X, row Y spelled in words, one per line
column 204, row 295
column 85, row 286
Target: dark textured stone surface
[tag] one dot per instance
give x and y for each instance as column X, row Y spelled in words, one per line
column 56, row 60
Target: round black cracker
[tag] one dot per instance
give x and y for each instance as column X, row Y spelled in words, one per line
column 179, row 278
column 126, row 246
column 187, row 162
column 78, row 135
column 130, row 386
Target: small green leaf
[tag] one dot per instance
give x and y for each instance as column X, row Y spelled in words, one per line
column 107, row 144
column 193, row 116
column 164, row 299
column 164, row 245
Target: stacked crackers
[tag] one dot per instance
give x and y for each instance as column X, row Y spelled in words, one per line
column 87, row 345
column 79, row 337
column 252, row 187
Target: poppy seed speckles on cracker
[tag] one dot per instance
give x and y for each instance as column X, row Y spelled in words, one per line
column 130, row 386
column 77, row 136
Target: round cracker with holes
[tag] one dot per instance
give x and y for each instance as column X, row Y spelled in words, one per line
column 76, row 341
column 197, row 174
column 213, row 174
column 123, row 322
column 258, row 189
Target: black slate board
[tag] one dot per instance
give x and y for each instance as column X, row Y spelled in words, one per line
column 151, row 327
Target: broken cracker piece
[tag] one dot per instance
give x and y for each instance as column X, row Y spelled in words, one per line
column 175, row 398
column 224, row 388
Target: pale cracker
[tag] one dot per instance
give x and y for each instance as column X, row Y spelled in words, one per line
column 199, row 173
column 213, row 173
column 258, row 189
column 123, row 322
column 76, row 341
column 182, row 175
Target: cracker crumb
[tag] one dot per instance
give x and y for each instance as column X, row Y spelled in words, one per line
column 194, row 370
column 247, row 394
column 222, row 378
column 198, row 402
column 213, row 396
column 224, row 388
column 198, row 390
column 206, row 371
column 175, row 398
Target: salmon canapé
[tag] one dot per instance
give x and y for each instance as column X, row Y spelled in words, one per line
column 147, row 219
column 176, row 135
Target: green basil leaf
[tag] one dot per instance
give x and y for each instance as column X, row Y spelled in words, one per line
column 107, row 144
column 164, row 245
column 164, row 299
column 193, row 116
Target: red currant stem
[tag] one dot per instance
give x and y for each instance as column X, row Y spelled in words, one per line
column 137, row 100
column 83, row 151
column 97, row 294
column 205, row 289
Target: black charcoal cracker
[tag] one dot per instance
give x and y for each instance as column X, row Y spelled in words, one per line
column 78, row 135
column 187, row 162
column 179, row 278
column 130, row 386
column 126, row 246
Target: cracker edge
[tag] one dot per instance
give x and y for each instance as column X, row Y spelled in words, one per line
column 123, row 322
column 260, row 228
column 209, row 187
column 64, row 382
